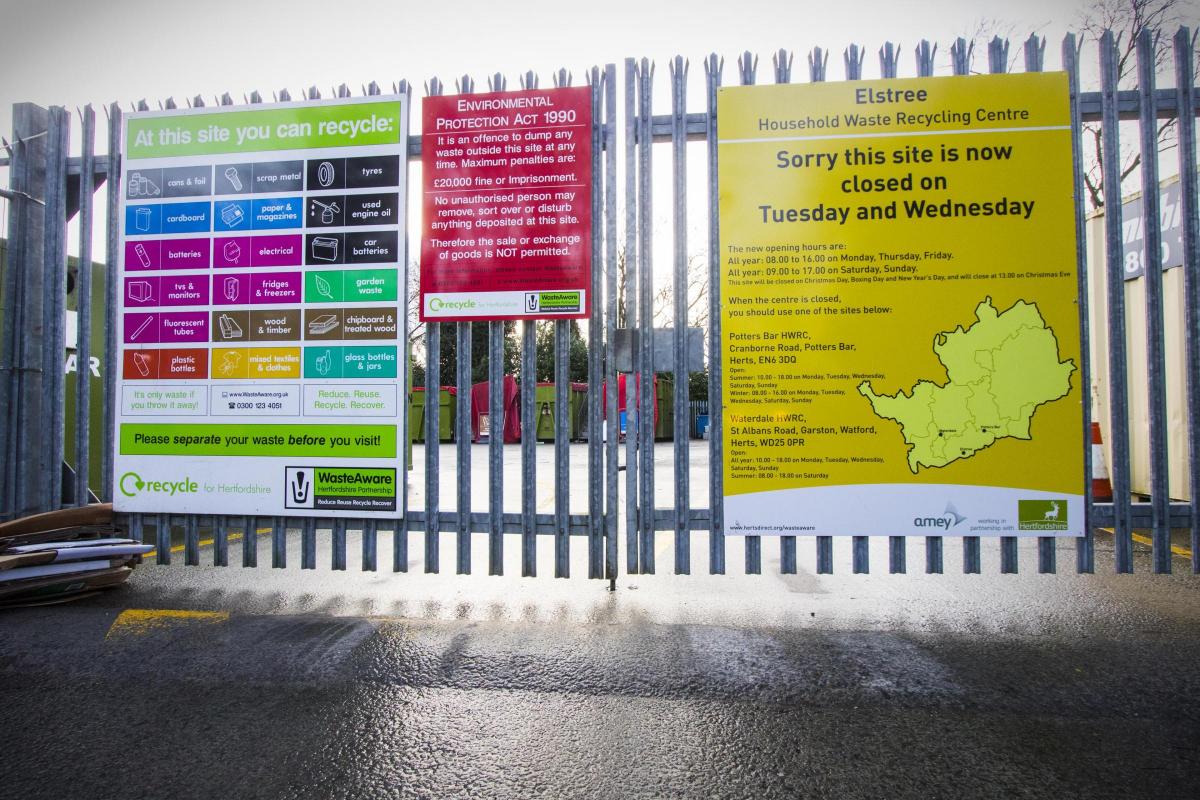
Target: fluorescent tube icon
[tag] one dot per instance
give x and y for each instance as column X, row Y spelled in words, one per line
column 145, row 324
column 229, row 327
column 235, row 180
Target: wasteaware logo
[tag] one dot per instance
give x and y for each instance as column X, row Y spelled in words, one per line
column 131, row 484
column 947, row 520
column 1042, row 515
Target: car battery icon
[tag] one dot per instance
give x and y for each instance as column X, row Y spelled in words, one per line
column 232, row 215
column 324, row 248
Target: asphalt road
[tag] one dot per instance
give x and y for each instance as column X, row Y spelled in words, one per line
column 260, row 683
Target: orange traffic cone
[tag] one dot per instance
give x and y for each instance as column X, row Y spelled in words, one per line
column 1101, row 486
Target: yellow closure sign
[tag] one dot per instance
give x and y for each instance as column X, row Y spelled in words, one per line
column 900, row 333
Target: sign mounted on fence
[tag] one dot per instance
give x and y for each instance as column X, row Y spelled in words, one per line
column 507, row 224
column 261, row 352
column 899, row 319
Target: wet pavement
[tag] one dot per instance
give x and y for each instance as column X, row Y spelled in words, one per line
column 232, row 683
column 283, row 683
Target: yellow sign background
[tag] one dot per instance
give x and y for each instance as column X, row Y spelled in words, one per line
column 990, row 257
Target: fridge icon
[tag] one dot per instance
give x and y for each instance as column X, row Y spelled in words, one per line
column 231, row 289
column 324, row 248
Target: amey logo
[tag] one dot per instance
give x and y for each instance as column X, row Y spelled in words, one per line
column 131, row 484
column 950, row 519
column 438, row 304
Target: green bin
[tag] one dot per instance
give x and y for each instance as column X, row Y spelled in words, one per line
column 577, row 404
column 416, row 414
column 544, row 408
column 664, row 426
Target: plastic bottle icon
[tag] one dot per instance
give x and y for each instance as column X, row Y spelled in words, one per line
column 142, row 362
column 142, row 255
column 141, row 219
column 235, row 180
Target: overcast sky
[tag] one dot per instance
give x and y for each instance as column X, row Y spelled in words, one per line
column 72, row 52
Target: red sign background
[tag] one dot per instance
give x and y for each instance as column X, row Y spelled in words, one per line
column 507, row 196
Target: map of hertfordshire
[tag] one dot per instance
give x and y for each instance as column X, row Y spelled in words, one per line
column 999, row 370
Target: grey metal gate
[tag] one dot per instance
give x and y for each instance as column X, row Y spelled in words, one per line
column 48, row 188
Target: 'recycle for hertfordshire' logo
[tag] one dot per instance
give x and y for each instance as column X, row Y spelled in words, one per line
column 1042, row 515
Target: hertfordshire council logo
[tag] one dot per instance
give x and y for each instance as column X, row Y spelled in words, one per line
column 1042, row 515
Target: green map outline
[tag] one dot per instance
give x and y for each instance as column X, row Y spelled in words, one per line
column 980, row 376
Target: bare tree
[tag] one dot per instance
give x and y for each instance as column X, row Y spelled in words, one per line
column 1127, row 19
column 981, row 34
column 697, row 297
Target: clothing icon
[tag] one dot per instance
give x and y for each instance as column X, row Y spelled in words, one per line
column 230, row 361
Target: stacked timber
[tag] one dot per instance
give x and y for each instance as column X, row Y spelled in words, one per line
column 62, row 555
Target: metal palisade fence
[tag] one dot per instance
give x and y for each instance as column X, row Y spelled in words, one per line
column 48, row 190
